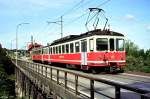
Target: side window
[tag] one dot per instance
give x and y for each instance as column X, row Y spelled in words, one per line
column 67, row 48
column 59, row 49
column 101, row 44
column 91, row 45
column 63, row 48
column 111, row 43
column 50, row 50
column 46, row 50
column 71, row 48
column 77, row 47
column 83, row 46
column 56, row 50
column 41, row 51
column 53, row 50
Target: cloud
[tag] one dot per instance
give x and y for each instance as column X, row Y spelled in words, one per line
column 129, row 17
column 148, row 28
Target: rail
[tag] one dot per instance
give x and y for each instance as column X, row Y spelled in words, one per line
column 61, row 77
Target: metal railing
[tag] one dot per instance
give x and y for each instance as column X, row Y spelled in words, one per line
column 61, row 77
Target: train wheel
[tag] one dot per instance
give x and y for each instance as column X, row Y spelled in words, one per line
column 121, row 71
column 112, row 69
column 67, row 66
column 94, row 70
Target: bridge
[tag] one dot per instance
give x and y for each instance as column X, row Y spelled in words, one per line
column 40, row 81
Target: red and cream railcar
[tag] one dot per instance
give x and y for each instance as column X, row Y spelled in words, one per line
column 92, row 50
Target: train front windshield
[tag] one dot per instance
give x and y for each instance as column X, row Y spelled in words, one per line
column 119, row 44
column 102, row 44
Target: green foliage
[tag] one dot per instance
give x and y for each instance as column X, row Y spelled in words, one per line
column 7, row 85
column 137, row 59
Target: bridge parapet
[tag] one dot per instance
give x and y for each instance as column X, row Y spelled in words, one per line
column 53, row 82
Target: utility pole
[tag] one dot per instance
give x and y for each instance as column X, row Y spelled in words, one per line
column 17, row 39
column 32, row 39
column 61, row 26
column 59, row 23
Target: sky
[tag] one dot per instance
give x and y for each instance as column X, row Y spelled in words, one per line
column 130, row 17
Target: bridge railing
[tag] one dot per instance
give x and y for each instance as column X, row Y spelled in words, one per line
column 62, row 77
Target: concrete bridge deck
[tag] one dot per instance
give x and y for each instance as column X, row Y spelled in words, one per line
column 39, row 81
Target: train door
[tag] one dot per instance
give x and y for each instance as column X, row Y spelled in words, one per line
column 49, row 54
column 41, row 55
column 83, row 52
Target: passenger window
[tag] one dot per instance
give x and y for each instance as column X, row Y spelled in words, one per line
column 84, row 46
column 45, row 51
column 49, row 50
column 67, row 48
column 77, row 47
column 53, row 50
column 42, row 51
column 101, row 44
column 59, row 49
column 63, row 48
column 71, row 48
column 91, row 45
column 111, row 42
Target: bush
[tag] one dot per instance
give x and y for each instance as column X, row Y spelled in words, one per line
column 7, row 84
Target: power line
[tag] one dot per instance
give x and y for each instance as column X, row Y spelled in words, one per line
column 76, row 5
column 72, row 21
column 105, row 2
column 77, row 18
column 80, row 4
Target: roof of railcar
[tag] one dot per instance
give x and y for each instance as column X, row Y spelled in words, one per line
column 87, row 34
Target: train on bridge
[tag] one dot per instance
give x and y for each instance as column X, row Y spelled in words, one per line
column 94, row 50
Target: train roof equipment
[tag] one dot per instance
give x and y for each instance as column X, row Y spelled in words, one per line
column 87, row 34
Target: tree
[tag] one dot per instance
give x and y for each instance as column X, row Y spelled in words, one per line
column 131, row 48
column 7, row 85
column 137, row 59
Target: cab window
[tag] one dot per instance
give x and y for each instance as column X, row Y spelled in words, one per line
column 119, row 45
